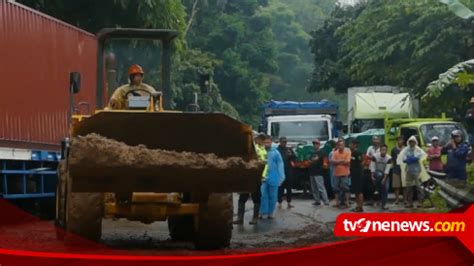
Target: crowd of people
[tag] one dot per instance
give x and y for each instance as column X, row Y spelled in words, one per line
column 351, row 171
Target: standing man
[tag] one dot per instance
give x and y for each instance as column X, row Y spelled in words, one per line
column 256, row 195
column 356, row 175
column 410, row 159
column 329, row 177
column 380, row 168
column 396, row 171
column 434, row 155
column 275, row 175
column 341, row 159
column 318, row 159
column 288, row 156
column 457, row 152
column 368, row 184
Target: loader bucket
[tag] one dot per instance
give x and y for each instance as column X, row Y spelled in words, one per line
column 173, row 131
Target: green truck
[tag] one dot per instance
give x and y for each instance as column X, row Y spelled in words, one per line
column 423, row 128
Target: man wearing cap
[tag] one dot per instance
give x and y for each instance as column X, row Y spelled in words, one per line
column 288, row 156
column 434, row 155
column 457, row 152
column 318, row 159
column 118, row 101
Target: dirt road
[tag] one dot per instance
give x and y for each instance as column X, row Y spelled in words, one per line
column 303, row 225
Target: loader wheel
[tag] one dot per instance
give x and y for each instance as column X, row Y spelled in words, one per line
column 214, row 226
column 181, row 228
column 78, row 213
column 84, row 214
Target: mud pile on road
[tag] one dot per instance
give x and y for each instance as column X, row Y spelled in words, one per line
column 94, row 155
column 115, row 153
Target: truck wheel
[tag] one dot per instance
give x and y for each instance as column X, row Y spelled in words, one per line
column 214, row 226
column 78, row 213
column 181, row 228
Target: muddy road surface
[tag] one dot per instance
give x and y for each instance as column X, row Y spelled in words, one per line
column 303, row 225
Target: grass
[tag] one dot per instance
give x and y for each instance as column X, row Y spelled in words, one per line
column 440, row 204
column 470, row 174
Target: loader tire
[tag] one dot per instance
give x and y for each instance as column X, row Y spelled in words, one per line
column 84, row 215
column 77, row 213
column 214, row 226
column 181, row 228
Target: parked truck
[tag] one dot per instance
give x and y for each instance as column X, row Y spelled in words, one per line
column 368, row 106
column 423, row 128
column 37, row 52
column 301, row 123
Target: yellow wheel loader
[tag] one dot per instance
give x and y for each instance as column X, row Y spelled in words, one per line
column 196, row 200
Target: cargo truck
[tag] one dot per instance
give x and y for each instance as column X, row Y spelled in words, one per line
column 38, row 52
column 368, row 106
column 301, row 123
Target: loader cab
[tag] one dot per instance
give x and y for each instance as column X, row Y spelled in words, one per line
column 119, row 48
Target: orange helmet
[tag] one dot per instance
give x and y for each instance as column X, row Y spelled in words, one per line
column 135, row 69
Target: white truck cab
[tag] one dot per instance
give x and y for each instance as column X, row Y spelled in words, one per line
column 300, row 129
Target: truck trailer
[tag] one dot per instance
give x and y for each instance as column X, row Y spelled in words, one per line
column 368, row 106
column 38, row 52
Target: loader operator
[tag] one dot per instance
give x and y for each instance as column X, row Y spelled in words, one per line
column 118, row 100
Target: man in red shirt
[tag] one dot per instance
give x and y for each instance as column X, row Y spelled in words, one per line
column 341, row 160
column 434, row 155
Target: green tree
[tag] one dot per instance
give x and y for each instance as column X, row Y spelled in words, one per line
column 403, row 43
column 169, row 14
column 240, row 36
column 329, row 70
column 456, row 84
column 310, row 14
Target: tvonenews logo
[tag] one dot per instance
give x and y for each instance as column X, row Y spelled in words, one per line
column 460, row 225
column 364, row 225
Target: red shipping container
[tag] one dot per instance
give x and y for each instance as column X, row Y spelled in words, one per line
column 37, row 53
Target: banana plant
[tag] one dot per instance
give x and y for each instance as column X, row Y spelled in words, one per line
column 458, row 8
column 461, row 74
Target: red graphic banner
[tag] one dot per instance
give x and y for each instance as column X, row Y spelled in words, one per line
column 460, row 225
column 26, row 240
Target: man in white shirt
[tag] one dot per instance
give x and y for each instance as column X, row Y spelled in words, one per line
column 380, row 169
column 368, row 186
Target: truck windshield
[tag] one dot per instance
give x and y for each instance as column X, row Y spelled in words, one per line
column 442, row 131
column 361, row 125
column 304, row 131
